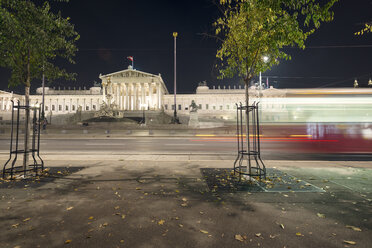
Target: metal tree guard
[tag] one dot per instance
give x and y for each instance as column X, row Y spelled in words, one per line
column 35, row 143
column 249, row 149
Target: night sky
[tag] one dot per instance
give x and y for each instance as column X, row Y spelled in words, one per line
column 114, row 29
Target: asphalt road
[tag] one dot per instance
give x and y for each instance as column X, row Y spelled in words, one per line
column 271, row 149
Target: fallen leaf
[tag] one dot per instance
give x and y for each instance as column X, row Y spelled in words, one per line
column 320, row 215
column 68, row 241
column 161, row 222
column 258, row 234
column 180, row 225
column 105, row 224
column 122, row 241
column 15, row 225
column 354, row 228
column 69, row 208
column 299, row 234
column 239, row 237
column 184, row 199
column 272, row 236
column 282, row 226
column 349, row 242
column 203, row 231
column 117, row 207
column 91, row 218
column 184, row 204
column 138, row 188
column 123, row 216
column 27, row 219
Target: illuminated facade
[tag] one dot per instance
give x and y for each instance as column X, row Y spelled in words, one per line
column 132, row 90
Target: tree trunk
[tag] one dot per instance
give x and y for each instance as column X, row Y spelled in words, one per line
column 27, row 120
column 27, row 114
column 247, row 80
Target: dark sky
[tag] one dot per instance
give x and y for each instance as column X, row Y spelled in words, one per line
column 114, row 29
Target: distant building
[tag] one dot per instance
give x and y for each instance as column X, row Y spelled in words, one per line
column 131, row 91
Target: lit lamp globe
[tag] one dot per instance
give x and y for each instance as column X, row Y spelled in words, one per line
column 175, row 34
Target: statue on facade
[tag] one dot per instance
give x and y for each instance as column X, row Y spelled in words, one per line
column 108, row 108
column 194, row 120
column 193, row 107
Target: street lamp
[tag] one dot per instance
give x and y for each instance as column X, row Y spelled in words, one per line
column 175, row 119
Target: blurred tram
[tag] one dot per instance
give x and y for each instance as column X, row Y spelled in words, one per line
column 320, row 120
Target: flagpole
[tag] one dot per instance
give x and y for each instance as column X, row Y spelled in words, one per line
column 133, row 63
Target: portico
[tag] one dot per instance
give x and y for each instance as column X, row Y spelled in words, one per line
column 131, row 90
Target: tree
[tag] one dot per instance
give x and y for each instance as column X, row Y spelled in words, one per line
column 251, row 30
column 367, row 29
column 31, row 39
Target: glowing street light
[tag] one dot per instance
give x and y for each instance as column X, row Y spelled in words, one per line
column 265, row 59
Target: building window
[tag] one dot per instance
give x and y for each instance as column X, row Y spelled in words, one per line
column 87, row 108
column 221, row 107
column 200, row 106
column 227, row 106
column 166, row 106
column 186, row 108
column 53, row 108
column 66, row 108
column 214, row 107
column 179, row 107
column 46, row 108
column 94, row 107
column 59, row 107
column 207, row 106
column 172, row 106
column 73, row 107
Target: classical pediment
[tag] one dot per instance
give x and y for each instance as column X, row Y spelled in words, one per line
column 128, row 73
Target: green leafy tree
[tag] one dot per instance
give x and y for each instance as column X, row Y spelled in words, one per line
column 31, row 39
column 253, row 33
column 367, row 29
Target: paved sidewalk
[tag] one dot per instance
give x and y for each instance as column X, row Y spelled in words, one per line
column 165, row 201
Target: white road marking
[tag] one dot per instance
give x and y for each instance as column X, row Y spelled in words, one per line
column 102, row 144
column 184, row 144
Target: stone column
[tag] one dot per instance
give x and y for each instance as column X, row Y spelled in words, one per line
column 150, row 96
column 126, row 99
column 70, row 105
column 2, row 103
column 57, row 106
column 143, row 101
column 120, row 97
column 158, row 96
column 83, row 108
column 134, row 96
column 130, row 97
column 64, row 105
column 104, row 92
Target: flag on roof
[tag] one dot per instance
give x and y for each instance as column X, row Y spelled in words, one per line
column 130, row 58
